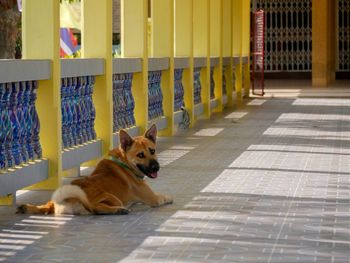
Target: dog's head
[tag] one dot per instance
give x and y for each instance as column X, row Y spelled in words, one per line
column 140, row 152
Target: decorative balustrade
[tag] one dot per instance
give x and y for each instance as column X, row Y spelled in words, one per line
column 19, row 125
column 155, row 95
column 212, row 83
column 78, row 110
column 178, row 90
column 123, row 102
column 224, row 81
column 197, row 85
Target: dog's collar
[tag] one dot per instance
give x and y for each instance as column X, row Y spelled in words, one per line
column 125, row 166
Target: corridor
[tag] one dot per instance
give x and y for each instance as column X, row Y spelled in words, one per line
column 267, row 182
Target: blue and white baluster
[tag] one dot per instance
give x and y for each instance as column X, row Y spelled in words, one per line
column 91, row 83
column 8, row 127
column 16, row 129
column 21, row 112
column 3, row 112
column 28, row 120
column 36, row 124
column 84, row 99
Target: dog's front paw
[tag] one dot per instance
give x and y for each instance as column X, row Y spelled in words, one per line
column 167, row 200
column 122, row 211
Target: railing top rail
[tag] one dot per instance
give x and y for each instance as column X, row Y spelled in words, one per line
column 14, row 70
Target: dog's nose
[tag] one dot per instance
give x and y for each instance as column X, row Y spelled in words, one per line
column 154, row 165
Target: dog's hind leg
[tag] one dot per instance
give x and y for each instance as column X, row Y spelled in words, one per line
column 48, row 208
column 104, row 209
column 109, row 204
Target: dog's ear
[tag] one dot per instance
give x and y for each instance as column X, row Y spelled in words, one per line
column 151, row 133
column 125, row 140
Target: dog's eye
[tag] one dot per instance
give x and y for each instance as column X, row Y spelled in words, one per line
column 141, row 155
column 152, row 151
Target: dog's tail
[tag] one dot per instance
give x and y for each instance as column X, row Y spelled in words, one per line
column 60, row 200
column 46, row 209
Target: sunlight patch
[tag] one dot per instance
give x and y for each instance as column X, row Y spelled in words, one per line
column 9, row 235
column 236, row 115
column 50, row 222
column 12, row 247
column 209, row 132
column 311, row 117
column 168, row 156
column 54, row 218
column 25, row 231
column 227, row 182
column 12, row 240
column 256, row 102
column 256, row 182
column 321, row 102
column 183, row 147
column 16, row 241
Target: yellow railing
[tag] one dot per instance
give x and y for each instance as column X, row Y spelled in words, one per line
column 188, row 33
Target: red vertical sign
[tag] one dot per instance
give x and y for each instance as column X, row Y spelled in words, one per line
column 258, row 31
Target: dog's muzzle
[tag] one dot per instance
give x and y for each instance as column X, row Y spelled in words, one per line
column 152, row 170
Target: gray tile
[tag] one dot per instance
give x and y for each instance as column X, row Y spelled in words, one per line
column 272, row 186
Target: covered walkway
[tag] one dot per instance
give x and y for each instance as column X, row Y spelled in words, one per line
column 269, row 182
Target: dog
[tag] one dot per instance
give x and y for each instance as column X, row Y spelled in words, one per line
column 117, row 181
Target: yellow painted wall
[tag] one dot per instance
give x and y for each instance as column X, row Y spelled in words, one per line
column 245, row 28
column 227, row 28
column 183, row 28
column 161, row 28
column 215, row 27
column 133, row 26
column 236, row 27
column 200, row 28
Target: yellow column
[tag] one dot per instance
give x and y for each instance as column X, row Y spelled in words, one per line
column 201, row 46
column 134, row 14
column 184, row 48
column 227, row 48
column 237, row 45
column 246, row 44
column 41, row 40
column 97, row 43
column 163, row 46
column 323, row 49
column 216, row 34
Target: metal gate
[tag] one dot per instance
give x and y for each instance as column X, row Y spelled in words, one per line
column 343, row 49
column 287, row 35
column 258, row 29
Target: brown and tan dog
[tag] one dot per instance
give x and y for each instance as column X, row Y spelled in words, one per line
column 117, row 181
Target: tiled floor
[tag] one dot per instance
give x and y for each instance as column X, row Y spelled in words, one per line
column 267, row 183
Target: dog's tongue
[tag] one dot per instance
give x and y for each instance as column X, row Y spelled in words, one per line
column 153, row 175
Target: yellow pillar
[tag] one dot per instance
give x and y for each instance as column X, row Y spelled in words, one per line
column 134, row 14
column 92, row 30
column 184, row 48
column 201, row 47
column 227, row 48
column 41, row 40
column 216, row 37
column 163, row 46
column 246, row 45
column 237, row 45
column 323, row 42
